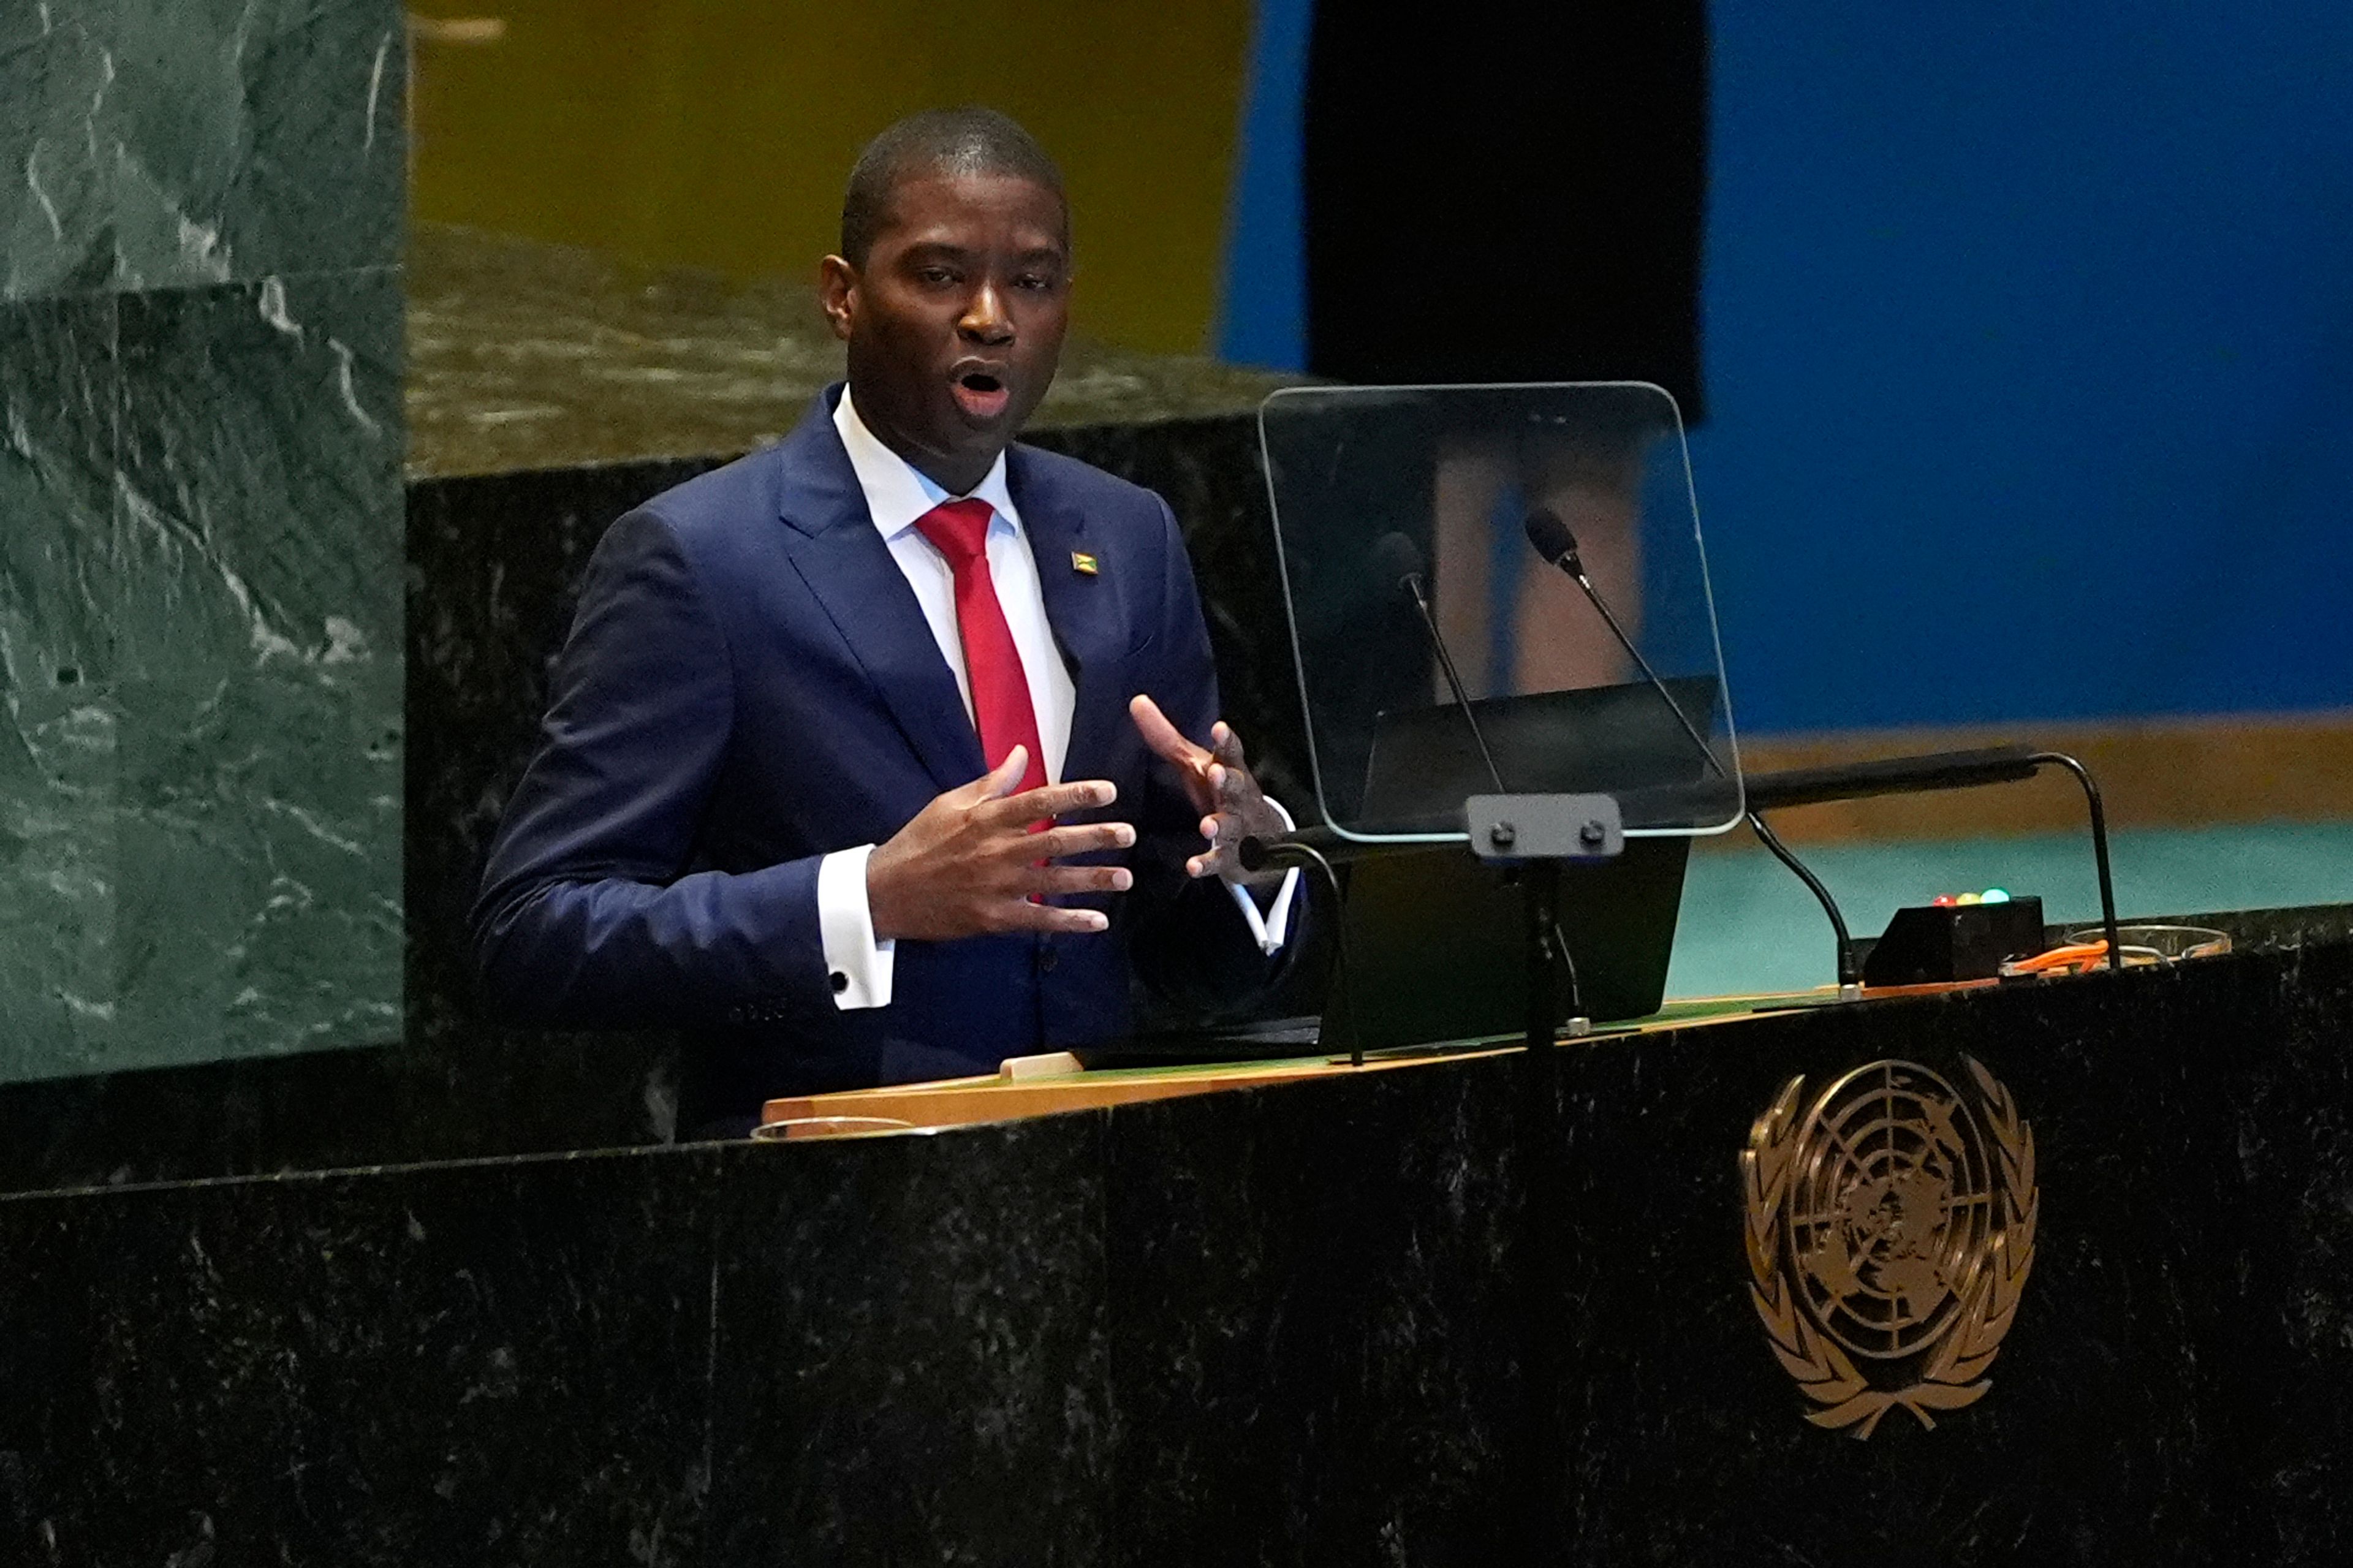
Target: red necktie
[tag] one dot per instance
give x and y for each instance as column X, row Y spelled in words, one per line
column 958, row 530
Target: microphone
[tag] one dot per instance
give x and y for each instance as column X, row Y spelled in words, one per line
column 1395, row 560
column 1399, row 560
column 1853, row 780
column 1797, row 787
column 1553, row 541
column 1395, row 557
column 1556, row 543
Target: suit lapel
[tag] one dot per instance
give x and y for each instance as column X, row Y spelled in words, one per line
column 1083, row 610
column 849, row 569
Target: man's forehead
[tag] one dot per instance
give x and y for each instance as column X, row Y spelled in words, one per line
column 924, row 203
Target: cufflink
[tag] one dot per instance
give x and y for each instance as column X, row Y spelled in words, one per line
column 840, row 981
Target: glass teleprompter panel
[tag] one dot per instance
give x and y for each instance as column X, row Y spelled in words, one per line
column 1501, row 530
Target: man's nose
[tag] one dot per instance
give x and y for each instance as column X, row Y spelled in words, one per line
column 985, row 320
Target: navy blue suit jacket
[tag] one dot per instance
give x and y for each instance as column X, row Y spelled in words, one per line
column 750, row 684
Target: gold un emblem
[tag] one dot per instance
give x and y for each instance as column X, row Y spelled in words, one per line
column 1891, row 1229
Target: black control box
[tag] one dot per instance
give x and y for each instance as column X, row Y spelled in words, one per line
column 1954, row 942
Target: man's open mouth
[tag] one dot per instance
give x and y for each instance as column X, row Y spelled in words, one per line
column 981, row 394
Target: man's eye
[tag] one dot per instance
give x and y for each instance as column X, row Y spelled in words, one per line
column 937, row 275
column 1034, row 281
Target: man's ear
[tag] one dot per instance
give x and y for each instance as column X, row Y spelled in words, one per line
column 837, row 293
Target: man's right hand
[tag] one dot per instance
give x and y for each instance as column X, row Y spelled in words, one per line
column 968, row 865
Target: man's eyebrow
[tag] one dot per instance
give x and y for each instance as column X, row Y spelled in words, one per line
column 922, row 252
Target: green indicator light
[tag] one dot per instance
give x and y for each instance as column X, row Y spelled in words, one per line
column 1994, row 896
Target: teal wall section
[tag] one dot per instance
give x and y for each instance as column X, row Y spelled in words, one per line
column 201, row 210
column 1748, row 926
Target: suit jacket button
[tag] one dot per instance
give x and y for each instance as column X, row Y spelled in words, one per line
column 840, row 981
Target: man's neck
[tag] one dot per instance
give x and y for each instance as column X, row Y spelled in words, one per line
column 959, row 474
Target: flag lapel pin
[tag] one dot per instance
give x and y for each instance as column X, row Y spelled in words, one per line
column 1084, row 565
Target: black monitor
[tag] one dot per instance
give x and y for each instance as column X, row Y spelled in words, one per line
column 1436, row 942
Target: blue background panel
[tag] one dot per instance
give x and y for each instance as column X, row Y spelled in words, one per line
column 2028, row 345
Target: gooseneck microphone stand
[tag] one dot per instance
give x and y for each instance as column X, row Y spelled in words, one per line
column 1394, row 556
column 1527, row 835
column 1551, row 539
column 1942, row 770
column 1850, row 972
column 2099, row 848
column 1552, row 968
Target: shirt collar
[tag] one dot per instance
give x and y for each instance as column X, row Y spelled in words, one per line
column 898, row 493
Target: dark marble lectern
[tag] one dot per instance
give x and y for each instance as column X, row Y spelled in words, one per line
column 1500, row 1308
column 1477, row 1310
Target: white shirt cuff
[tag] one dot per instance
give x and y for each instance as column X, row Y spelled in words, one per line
column 857, row 966
column 1269, row 928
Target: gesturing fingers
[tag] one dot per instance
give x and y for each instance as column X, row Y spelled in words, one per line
column 1048, row 801
column 1211, row 861
column 1164, row 739
column 1052, row 917
column 1057, row 880
column 967, row 863
column 996, row 780
column 1193, row 764
column 1237, row 807
column 1088, row 838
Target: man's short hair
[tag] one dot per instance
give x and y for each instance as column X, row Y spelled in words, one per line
column 970, row 141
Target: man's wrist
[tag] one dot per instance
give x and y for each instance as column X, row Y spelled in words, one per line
column 1266, row 902
column 860, row 965
column 1273, row 821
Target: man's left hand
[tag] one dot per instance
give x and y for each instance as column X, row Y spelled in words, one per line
column 1221, row 788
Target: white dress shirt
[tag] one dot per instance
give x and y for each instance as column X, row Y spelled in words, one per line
column 898, row 496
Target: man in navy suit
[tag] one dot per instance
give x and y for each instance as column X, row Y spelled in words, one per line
column 884, row 753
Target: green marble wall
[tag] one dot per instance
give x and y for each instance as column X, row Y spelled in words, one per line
column 200, row 530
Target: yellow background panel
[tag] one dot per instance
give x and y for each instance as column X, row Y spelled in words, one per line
column 718, row 133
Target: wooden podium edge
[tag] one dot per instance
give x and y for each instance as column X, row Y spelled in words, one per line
column 971, row 1102
column 1012, row 1096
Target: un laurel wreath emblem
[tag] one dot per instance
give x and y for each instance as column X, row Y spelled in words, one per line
column 1890, row 1230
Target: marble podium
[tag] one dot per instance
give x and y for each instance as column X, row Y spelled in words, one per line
column 1484, row 1309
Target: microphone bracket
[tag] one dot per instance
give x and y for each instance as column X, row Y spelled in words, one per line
column 1576, row 829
